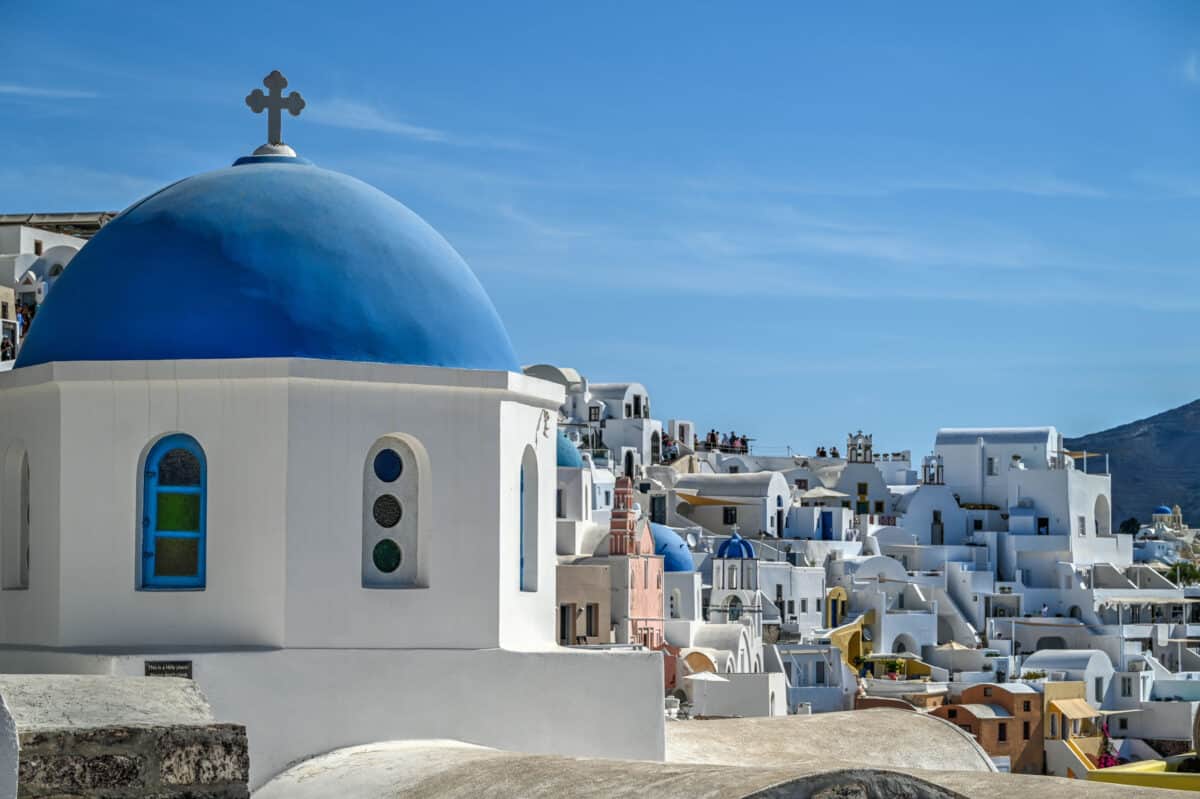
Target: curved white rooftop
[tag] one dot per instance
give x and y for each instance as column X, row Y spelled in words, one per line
column 986, row 711
column 1063, row 659
column 753, row 484
column 869, row 753
column 444, row 769
column 563, row 375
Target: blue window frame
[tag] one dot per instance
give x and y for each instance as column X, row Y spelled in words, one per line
column 174, row 514
column 521, row 542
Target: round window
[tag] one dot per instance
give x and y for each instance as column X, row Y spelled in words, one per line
column 388, row 465
column 386, row 511
column 387, row 556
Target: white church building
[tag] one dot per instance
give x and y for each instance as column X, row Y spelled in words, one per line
column 303, row 466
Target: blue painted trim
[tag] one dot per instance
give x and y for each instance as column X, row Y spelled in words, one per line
column 521, row 539
column 150, row 536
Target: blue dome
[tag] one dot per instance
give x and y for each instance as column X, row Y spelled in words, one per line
column 568, row 453
column 1163, row 509
column 676, row 555
column 735, row 547
column 272, row 257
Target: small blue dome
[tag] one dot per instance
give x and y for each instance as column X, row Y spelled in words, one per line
column 735, row 547
column 676, row 555
column 568, row 453
column 270, row 258
column 1163, row 509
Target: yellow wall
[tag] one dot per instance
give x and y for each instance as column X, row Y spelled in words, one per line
column 1066, row 689
column 835, row 594
column 848, row 638
column 918, row 668
column 1147, row 774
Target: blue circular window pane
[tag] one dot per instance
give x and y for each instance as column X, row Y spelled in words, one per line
column 388, row 465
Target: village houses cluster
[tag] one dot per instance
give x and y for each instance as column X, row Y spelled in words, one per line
column 392, row 531
column 985, row 584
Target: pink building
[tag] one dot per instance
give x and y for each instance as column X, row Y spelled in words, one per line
column 637, row 573
column 625, row 586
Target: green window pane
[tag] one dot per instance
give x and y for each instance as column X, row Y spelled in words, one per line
column 386, row 556
column 178, row 512
column 176, row 557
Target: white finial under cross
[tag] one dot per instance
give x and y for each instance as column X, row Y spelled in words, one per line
column 273, row 103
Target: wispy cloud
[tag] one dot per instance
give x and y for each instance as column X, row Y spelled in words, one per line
column 876, row 186
column 357, row 115
column 1191, row 67
column 360, row 116
column 45, row 93
column 537, row 227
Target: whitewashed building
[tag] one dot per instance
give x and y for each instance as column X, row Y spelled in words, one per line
column 305, row 511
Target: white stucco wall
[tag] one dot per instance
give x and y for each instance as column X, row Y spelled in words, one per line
column 918, row 515
column 740, row 695
column 285, row 443
column 298, row 703
column 29, row 422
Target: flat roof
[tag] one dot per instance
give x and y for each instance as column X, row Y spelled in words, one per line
column 81, row 224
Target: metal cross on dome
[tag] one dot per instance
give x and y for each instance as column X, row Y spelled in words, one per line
column 273, row 103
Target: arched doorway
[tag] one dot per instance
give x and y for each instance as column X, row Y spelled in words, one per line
column 733, row 609
column 1103, row 516
column 1051, row 642
column 655, row 447
column 835, row 606
column 629, row 465
column 904, row 643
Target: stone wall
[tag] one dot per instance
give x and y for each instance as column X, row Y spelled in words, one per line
column 1168, row 747
column 152, row 762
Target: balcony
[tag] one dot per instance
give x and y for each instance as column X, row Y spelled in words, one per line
column 1082, row 461
column 728, row 449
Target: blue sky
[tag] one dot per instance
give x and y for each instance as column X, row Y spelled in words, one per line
column 788, row 220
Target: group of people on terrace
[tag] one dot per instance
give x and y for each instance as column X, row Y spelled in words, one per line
column 725, row 443
column 8, row 342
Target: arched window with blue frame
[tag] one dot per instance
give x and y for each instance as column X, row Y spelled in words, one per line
column 174, row 511
column 528, row 522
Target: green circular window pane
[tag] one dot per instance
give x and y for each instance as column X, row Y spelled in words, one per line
column 386, row 556
column 386, row 511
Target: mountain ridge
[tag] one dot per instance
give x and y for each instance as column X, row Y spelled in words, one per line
column 1154, row 461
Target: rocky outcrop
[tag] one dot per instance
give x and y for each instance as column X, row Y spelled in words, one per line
column 92, row 737
column 199, row 762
